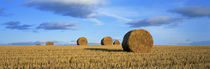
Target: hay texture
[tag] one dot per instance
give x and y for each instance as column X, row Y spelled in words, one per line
column 49, row 43
column 116, row 42
column 82, row 41
column 139, row 41
column 107, row 41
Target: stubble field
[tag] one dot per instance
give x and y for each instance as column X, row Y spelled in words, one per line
column 97, row 57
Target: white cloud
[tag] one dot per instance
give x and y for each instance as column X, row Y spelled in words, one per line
column 119, row 13
column 57, row 26
column 115, row 16
column 153, row 21
column 73, row 8
column 193, row 11
column 16, row 25
column 98, row 22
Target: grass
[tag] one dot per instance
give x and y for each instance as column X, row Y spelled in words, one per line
column 97, row 57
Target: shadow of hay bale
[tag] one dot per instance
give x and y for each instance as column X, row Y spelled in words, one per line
column 106, row 50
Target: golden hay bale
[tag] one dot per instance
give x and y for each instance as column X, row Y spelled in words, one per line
column 82, row 41
column 38, row 44
column 49, row 43
column 140, row 41
column 116, row 42
column 107, row 41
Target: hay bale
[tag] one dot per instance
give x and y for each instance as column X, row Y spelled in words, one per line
column 140, row 41
column 49, row 43
column 82, row 41
column 116, row 42
column 38, row 44
column 107, row 41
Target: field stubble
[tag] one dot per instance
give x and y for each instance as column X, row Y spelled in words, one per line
column 97, row 56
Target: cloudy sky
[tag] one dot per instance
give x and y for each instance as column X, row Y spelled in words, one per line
column 171, row 22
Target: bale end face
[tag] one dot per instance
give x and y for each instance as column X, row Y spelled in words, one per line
column 116, row 42
column 49, row 43
column 140, row 41
column 107, row 41
column 82, row 41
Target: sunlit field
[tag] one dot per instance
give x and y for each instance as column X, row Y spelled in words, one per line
column 97, row 57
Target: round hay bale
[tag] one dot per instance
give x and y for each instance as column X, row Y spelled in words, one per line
column 107, row 41
column 38, row 44
column 49, row 43
column 82, row 41
column 140, row 41
column 116, row 42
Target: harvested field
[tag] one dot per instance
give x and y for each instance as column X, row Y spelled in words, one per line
column 97, row 56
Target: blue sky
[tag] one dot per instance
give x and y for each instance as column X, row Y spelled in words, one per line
column 171, row 22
